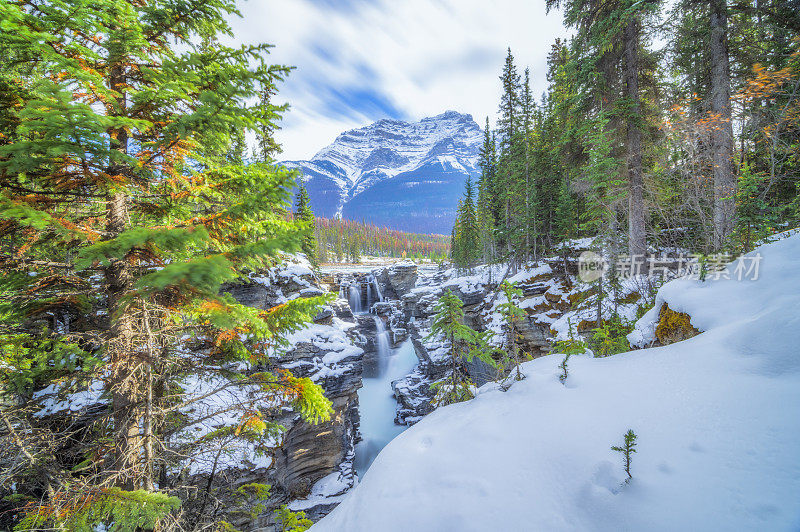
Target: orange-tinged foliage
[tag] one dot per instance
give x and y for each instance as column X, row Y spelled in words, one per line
column 774, row 86
column 226, row 336
column 251, row 422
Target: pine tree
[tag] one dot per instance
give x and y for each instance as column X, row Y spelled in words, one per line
column 266, row 146
column 466, row 233
column 610, row 52
column 304, row 214
column 722, row 130
column 456, row 251
column 512, row 315
column 290, row 521
column 627, row 451
column 124, row 209
column 464, row 344
column 565, row 221
column 530, row 227
column 510, row 164
column 487, row 205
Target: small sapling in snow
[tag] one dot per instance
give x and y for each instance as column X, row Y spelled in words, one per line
column 568, row 347
column 627, row 450
column 565, row 373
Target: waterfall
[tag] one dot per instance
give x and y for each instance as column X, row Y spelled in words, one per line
column 374, row 282
column 355, row 298
column 369, row 297
column 382, row 345
column 377, row 404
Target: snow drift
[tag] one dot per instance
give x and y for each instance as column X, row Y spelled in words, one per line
column 717, row 419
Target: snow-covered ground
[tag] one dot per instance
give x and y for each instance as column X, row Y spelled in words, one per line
column 717, row 418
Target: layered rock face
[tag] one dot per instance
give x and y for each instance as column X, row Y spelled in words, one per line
column 553, row 298
column 329, row 353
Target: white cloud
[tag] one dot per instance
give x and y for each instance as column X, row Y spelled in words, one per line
column 360, row 60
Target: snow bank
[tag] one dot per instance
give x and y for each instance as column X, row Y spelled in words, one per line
column 718, row 420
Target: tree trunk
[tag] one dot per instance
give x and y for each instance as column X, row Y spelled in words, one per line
column 722, row 129
column 637, row 236
column 123, row 384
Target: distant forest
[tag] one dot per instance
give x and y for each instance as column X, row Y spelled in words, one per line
column 345, row 240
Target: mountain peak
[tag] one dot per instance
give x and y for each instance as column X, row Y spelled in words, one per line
column 422, row 163
column 450, row 114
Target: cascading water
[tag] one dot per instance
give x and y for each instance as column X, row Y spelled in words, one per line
column 377, row 404
column 374, row 282
column 354, row 297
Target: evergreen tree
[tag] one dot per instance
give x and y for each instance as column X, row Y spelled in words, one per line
column 530, row 227
column 565, row 220
column 464, row 344
column 466, row 234
column 266, row 146
column 456, row 251
column 627, row 451
column 609, row 48
column 510, row 165
column 125, row 207
column 304, row 214
column 488, row 209
column 512, row 315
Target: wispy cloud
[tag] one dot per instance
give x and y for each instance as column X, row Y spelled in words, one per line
column 361, row 60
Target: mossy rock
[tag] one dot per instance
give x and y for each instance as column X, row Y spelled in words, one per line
column 542, row 307
column 588, row 325
column 541, row 277
column 554, row 298
column 633, row 297
column 674, row 326
column 576, row 298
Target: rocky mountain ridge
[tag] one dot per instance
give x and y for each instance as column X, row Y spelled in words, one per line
column 404, row 175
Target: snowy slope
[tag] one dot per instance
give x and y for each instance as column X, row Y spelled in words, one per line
column 718, row 420
column 391, row 169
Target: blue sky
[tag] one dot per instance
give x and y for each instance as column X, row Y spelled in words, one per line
column 357, row 61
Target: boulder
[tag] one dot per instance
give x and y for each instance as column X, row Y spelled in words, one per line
column 413, row 394
column 402, row 277
column 674, row 326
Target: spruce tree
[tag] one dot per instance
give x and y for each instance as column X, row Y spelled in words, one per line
column 464, row 343
column 125, row 208
column 627, row 451
column 487, row 204
column 530, row 222
column 304, row 214
column 565, row 221
column 510, row 164
column 610, row 53
column 466, row 233
column 512, row 315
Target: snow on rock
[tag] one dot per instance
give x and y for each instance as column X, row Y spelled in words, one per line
column 328, row 490
column 717, row 418
column 334, row 350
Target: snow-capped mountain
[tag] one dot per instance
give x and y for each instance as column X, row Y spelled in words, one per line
column 405, row 175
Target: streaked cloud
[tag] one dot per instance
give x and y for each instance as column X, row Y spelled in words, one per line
column 361, row 60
